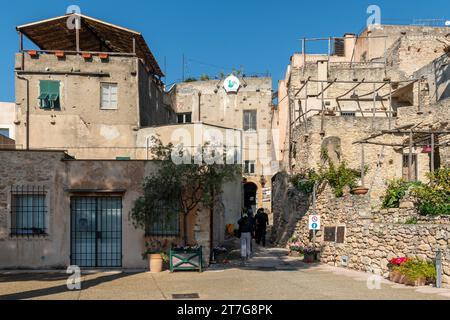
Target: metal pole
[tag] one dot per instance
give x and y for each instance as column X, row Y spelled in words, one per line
column 439, row 268
column 362, row 165
column 77, row 32
column 304, row 55
column 390, row 105
column 21, row 41
column 322, row 119
column 432, row 152
column 418, row 98
column 134, row 45
column 410, row 155
column 306, row 108
column 374, row 106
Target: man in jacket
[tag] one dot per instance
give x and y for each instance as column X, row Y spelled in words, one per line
column 262, row 220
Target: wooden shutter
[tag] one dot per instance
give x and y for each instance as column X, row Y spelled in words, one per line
column 329, row 234
column 340, row 235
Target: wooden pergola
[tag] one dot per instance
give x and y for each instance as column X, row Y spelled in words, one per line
column 414, row 137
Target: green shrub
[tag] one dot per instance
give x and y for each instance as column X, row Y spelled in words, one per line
column 415, row 269
column 340, row 177
column 412, row 220
column 304, row 182
column 434, row 198
column 395, row 191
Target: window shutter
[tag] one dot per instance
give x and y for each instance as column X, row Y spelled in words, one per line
column 340, row 235
column 329, row 234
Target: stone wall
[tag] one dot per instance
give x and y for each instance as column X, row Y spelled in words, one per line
column 289, row 206
column 373, row 237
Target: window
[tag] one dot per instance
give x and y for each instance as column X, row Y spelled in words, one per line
column 334, row 234
column 164, row 221
column 413, row 168
column 49, row 94
column 184, row 117
column 250, row 120
column 249, row 167
column 109, row 96
column 28, row 211
column 4, row 132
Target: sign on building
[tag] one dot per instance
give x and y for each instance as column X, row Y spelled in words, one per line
column 231, row 84
column 314, row 222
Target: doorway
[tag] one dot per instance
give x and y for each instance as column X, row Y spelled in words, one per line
column 96, row 231
column 250, row 191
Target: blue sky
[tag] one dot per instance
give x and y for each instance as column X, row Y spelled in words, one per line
column 257, row 35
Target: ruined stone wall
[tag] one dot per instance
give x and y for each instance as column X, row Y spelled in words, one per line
column 373, row 237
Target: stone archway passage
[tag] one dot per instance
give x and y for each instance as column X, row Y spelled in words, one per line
column 250, row 191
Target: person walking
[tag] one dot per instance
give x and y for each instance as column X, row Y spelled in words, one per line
column 261, row 220
column 246, row 235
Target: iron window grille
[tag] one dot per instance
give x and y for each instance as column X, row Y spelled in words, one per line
column 164, row 220
column 28, row 211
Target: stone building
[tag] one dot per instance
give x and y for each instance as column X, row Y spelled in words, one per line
column 364, row 85
column 87, row 90
column 56, row 211
column 247, row 107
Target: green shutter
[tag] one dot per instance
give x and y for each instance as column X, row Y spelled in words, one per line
column 49, row 94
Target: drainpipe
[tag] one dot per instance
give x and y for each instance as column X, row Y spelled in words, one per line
column 199, row 107
column 28, row 112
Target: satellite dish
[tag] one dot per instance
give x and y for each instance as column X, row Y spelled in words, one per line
column 447, row 23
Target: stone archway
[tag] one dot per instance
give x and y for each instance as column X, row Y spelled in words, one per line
column 250, row 192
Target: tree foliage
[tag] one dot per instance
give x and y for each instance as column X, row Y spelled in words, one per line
column 180, row 186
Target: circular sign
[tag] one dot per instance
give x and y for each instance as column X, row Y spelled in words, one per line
column 231, row 83
column 314, row 226
column 314, row 218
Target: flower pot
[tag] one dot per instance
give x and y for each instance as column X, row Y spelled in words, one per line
column 309, row 258
column 294, row 254
column 395, row 276
column 360, row 190
column 155, row 262
column 415, row 283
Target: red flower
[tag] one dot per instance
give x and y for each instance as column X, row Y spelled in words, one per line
column 398, row 261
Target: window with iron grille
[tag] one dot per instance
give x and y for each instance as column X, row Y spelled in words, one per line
column 164, row 220
column 28, row 211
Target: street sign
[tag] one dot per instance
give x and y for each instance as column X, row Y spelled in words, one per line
column 314, row 222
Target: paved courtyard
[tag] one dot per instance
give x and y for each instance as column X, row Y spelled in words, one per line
column 271, row 274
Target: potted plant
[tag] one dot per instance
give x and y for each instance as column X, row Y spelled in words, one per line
column 156, row 255
column 295, row 248
column 394, row 273
column 417, row 272
column 309, row 254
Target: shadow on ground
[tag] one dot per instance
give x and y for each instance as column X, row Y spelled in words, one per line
column 86, row 284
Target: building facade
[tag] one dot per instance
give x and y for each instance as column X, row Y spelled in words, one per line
column 245, row 105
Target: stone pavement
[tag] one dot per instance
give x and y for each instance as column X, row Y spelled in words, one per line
column 270, row 274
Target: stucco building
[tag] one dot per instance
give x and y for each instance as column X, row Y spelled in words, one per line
column 246, row 107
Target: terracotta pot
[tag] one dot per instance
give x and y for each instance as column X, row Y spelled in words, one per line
column 360, row 190
column 155, row 262
column 309, row 258
column 294, row 254
column 395, row 276
column 415, row 283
